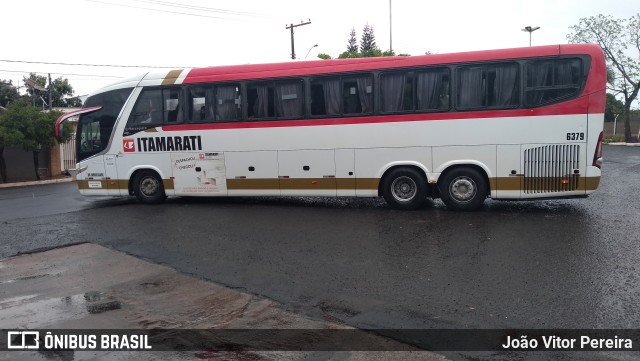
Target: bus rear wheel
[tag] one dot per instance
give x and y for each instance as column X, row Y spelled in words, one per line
column 463, row 189
column 404, row 188
column 148, row 187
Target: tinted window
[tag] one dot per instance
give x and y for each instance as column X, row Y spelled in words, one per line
column 260, row 100
column 357, row 94
column 154, row 107
column 326, row 96
column 414, row 90
column 94, row 129
column 227, row 103
column 199, row 104
column 552, row 80
column 488, row 86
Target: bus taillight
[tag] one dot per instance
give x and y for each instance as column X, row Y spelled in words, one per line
column 597, row 156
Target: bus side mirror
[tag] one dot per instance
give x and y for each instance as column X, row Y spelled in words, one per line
column 60, row 122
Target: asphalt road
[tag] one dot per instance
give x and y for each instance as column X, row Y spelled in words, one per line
column 540, row 264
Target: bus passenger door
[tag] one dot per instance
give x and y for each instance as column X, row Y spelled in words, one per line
column 508, row 178
column 111, row 173
column 345, row 172
column 307, row 172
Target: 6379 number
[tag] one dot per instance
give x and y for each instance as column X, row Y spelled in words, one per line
column 575, row 136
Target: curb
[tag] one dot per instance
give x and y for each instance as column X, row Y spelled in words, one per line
column 35, row 183
column 624, row 144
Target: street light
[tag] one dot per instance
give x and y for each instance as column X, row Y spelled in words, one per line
column 390, row 30
column 310, row 50
column 530, row 30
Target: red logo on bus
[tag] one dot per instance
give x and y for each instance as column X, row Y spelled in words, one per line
column 128, row 145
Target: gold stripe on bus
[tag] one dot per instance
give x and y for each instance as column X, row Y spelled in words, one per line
column 591, row 183
column 168, row 183
column 116, row 184
column 171, row 77
column 367, row 183
column 307, row 183
column 345, row 183
column 247, row 184
column 547, row 184
column 506, row 183
column 151, row 130
column 497, row 183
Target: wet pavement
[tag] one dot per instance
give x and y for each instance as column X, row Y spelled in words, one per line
column 88, row 286
column 541, row 264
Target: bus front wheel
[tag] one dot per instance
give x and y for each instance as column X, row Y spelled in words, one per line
column 463, row 189
column 148, row 187
column 404, row 188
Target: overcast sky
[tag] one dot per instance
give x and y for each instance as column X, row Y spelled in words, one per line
column 161, row 33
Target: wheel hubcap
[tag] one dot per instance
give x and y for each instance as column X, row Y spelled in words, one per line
column 149, row 186
column 463, row 189
column 403, row 189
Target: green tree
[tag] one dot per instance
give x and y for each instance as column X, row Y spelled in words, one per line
column 615, row 37
column 346, row 55
column 24, row 124
column 60, row 90
column 8, row 92
column 368, row 39
column 324, row 56
column 39, row 134
column 613, row 108
column 352, row 44
column 10, row 135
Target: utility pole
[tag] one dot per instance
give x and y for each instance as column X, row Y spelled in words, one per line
column 293, row 51
column 50, row 93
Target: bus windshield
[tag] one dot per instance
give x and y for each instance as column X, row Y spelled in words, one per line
column 94, row 129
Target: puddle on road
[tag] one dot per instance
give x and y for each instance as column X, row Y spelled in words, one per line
column 31, row 311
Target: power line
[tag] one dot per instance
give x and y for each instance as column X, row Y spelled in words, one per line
column 67, row 74
column 96, row 65
column 202, row 8
column 166, row 11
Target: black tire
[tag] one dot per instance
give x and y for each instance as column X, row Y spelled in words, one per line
column 148, row 187
column 404, row 188
column 463, row 189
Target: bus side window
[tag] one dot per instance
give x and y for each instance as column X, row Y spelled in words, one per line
column 172, row 110
column 289, row 99
column 325, row 96
column 494, row 86
column 396, row 92
column 199, row 105
column 432, row 90
column 228, row 104
column 357, row 94
column 260, row 100
column 148, row 108
column 548, row 81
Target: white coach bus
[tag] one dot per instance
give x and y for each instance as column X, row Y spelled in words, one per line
column 506, row 124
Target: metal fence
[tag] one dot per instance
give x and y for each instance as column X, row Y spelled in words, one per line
column 68, row 155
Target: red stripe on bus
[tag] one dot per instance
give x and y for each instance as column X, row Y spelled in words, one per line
column 575, row 107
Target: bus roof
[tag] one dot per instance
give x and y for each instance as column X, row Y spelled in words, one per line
column 314, row 67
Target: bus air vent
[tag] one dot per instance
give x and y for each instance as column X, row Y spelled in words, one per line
column 551, row 168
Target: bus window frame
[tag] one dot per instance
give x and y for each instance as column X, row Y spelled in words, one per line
column 485, row 64
column 585, row 66
column 413, row 71
column 164, row 122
